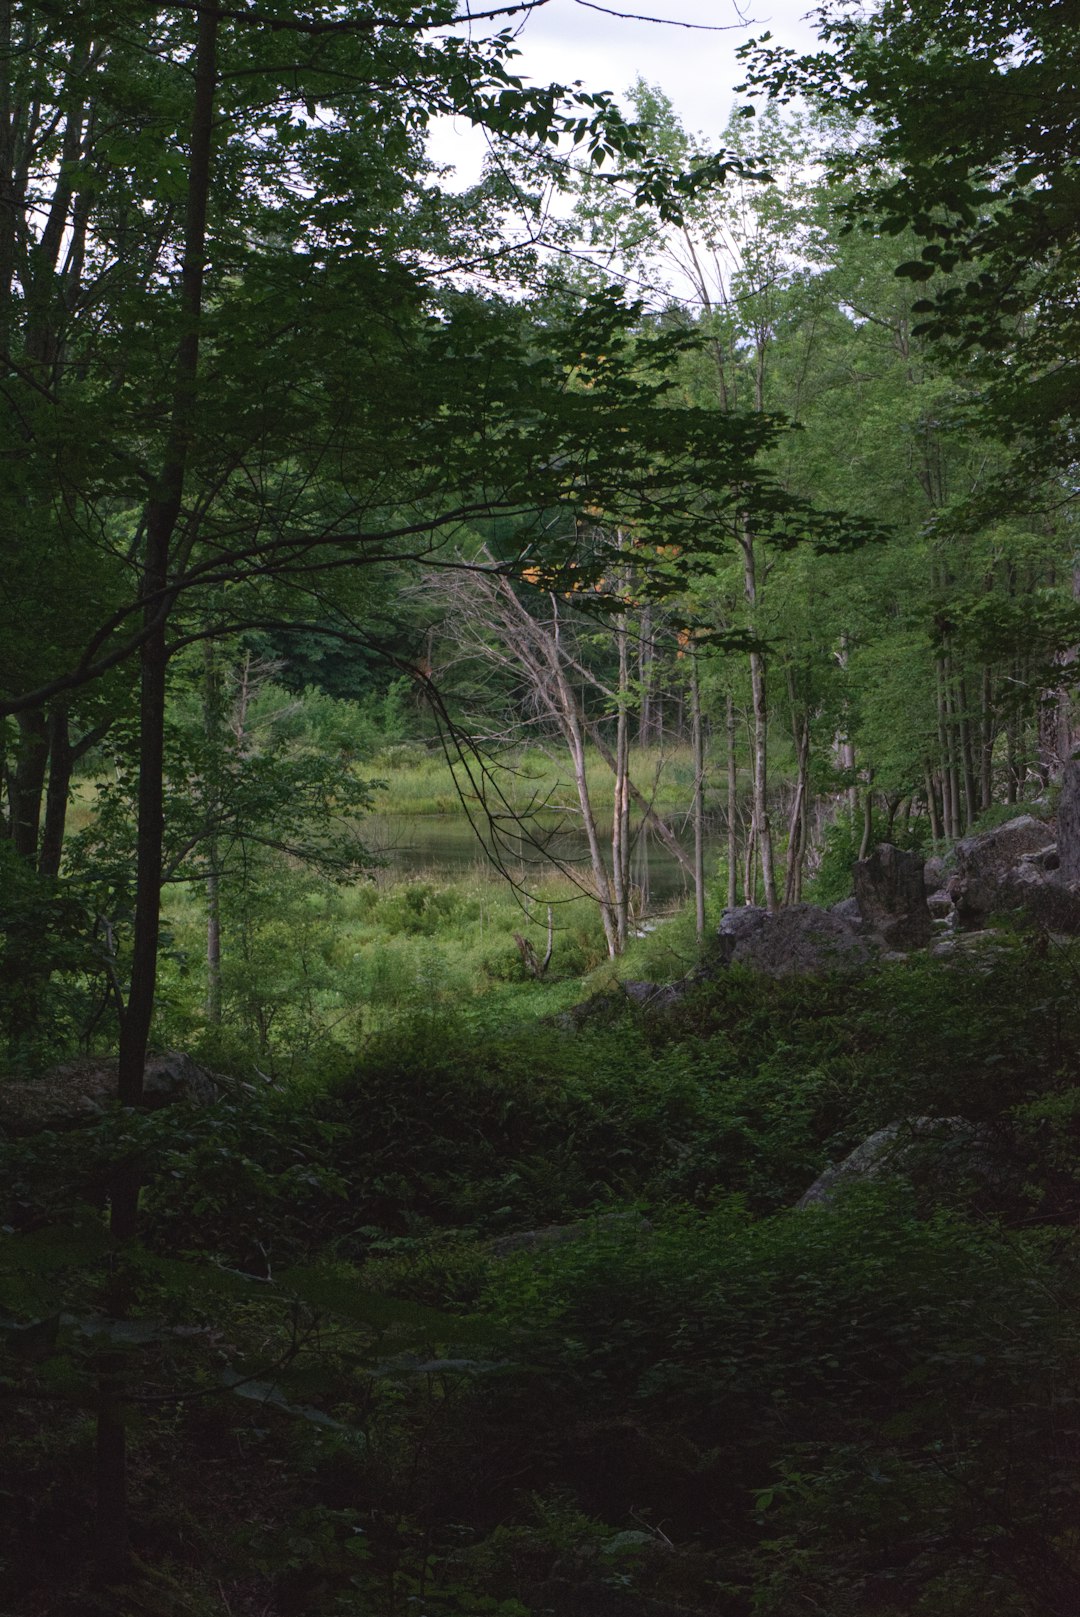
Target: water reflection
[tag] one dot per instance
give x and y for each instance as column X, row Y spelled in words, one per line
column 447, row 844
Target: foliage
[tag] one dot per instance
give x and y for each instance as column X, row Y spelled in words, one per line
column 50, row 964
column 832, row 879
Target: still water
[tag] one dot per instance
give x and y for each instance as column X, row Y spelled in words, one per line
column 445, row 844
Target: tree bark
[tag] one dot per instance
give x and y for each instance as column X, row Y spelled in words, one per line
column 932, row 805
column 162, row 516
column 759, row 697
column 732, row 805
column 698, row 742
column 967, row 753
column 26, row 783
column 797, row 820
column 620, row 818
column 61, row 764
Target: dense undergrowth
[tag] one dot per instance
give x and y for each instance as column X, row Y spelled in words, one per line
column 697, row 1400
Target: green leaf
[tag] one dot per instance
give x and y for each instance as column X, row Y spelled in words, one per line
column 914, row 269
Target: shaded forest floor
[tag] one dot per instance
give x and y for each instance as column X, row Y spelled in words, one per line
column 350, row 1390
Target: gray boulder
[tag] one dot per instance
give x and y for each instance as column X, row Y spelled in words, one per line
column 848, row 910
column 653, row 996
column 987, row 856
column 1017, row 871
column 175, row 1077
column 1027, row 894
column 934, row 873
column 891, row 896
column 943, row 1146
column 1042, row 899
column 80, row 1091
column 801, row 940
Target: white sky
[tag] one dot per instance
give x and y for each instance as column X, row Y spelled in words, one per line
column 566, row 40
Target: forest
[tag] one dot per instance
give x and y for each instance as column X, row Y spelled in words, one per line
column 439, row 625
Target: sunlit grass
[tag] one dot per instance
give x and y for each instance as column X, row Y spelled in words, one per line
column 421, row 781
column 309, row 967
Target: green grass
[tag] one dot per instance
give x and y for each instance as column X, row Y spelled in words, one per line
column 310, row 968
column 420, row 781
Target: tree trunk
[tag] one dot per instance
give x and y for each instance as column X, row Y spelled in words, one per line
column 26, row 783
column 653, row 820
column 797, row 820
column 932, row 805
column 162, row 515
column 646, row 665
column 620, row 819
column 750, row 866
column 732, row 805
column 868, row 821
column 61, row 764
column 699, row 797
column 967, row 754
column 213, row 712
column 759, row 696
column 986, row 741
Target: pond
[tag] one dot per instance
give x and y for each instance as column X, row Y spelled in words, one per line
column 447, row 845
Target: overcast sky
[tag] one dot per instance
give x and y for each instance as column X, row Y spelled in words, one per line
column 566, row 40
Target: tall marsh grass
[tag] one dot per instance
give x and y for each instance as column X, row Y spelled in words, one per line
column 420, row 781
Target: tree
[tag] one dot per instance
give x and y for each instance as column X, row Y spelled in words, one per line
column 969, row 139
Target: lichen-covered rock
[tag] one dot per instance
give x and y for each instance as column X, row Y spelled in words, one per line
column 934, row 873
column 892, row 898
column 175, row 1077
column 79, row 1091
column 939, row 1146
column 801, row 940
column 989, row 855
column 653, row 996
column 940, row 905
column 1040, row 899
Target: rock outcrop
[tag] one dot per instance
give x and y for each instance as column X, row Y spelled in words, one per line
column 801, row 940
column 78, row 1091
column 891, row 897
column 988, row 856
column 1017, row 870
column 944, row 1148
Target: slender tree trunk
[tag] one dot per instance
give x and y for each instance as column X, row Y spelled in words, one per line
column 986, row 741
column 26, row 783
column 1014, row 770
column 732, row 805
column 61, row 764
column 698, row 741
column 162, row 515
column 572, row 727
column 952, row 743
column 868, row 820
column 967, row 753
column 759, row 697
column 932, row 805
column 213, row 712
column 646, row 662
column 797, row 820
column 750, row 866
column 620, row 821
column 653, row 820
